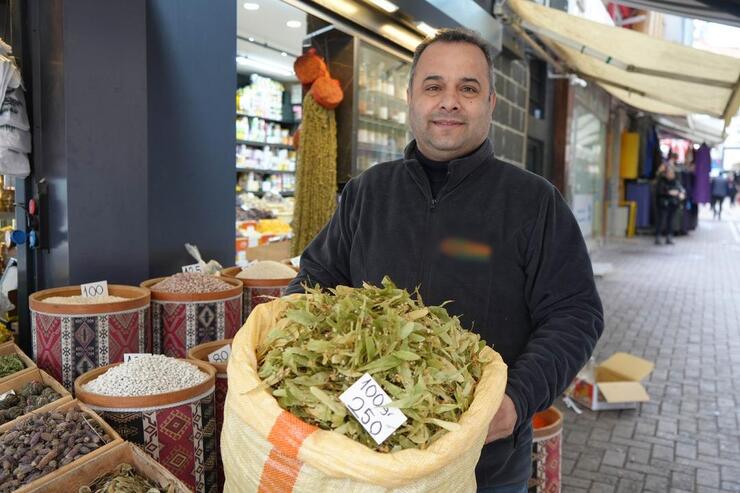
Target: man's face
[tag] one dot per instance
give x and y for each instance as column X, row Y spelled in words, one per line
column 450, row 104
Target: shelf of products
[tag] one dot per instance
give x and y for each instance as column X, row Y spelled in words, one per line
column 259, row 182
column 263, row 97
column 382, row 131
column 267, row 158
column 263, row 171
column 260, row 132
column 254, row 143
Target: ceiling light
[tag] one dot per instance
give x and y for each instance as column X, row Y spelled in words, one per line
column 401, row 36
column 251, row 39
column 293, row 24
column 389, row 7
column 282, row 53
column 426, row 29
column 251, row 6
column 265, row 66
column 342, row 6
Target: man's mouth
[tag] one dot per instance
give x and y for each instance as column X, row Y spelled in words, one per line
column 447, row 123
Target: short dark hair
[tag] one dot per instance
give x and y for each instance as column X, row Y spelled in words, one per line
column 457, row 35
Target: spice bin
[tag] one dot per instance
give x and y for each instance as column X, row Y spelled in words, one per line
column 181, row 321
column 123, row 453
column 257, row 291
column 546, row 451
column 200, row 353
column 90, row 417
column 177, row 429
column 8, row 348
column 19, row 380
column 69, row 340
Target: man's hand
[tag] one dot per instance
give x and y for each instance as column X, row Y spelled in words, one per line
column 502, row 424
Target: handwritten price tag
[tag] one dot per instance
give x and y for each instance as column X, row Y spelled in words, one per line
column 132, row 356
column 94, row 289
column 365, row 400
column 9, row 392
column 192, row 268
column 220, row 355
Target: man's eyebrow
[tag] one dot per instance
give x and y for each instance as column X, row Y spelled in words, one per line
column 433, row 77
column 470, row 79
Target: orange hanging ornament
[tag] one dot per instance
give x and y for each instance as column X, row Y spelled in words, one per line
column 327, row 92
column 309, row 67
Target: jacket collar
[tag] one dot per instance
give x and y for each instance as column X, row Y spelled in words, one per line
column 459, row 169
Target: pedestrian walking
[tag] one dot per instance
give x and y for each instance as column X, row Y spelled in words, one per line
column 669, row 195
column 732, row 188
column 720, row 190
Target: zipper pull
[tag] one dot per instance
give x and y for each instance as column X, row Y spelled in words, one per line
column 434, row 204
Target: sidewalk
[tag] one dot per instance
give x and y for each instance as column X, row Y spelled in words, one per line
column 679, row 306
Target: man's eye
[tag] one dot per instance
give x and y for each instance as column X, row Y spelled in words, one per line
column 432, row 88
column 469, row 90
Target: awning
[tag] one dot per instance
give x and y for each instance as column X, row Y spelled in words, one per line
column 720, row 11
column 694, row 128
column 648, row 73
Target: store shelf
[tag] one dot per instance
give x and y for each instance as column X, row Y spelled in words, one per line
column 289, row 193
column 377, row 148
column 371, row 120
column 381, row 94
column 263, row 144
column 264, row 170
column 271, row 120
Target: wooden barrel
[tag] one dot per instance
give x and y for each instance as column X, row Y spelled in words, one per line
column 177, row 429
column 181, row 321
column 256, row 291
column 546, row 451
column 200, row 353
column 69, row 340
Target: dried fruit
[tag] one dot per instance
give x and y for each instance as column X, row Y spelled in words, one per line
column 9, row 364
column 421, row 356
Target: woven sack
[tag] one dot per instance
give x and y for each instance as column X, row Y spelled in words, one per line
column 267, row 449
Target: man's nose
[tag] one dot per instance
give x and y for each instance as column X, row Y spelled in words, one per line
column 450, row 100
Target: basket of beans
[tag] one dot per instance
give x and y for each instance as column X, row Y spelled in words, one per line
column 191, row 308
column 263, row 280
column 72, row 334
column 31, row 391
column 165, row 406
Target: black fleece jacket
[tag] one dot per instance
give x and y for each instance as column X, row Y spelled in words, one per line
column 498, row 241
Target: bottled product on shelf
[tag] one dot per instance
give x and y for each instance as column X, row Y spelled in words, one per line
column 256, row 182
column 266, row 158
column 257, row 130
column 263, row 97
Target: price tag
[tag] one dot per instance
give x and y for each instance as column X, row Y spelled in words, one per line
column 296, row 261
column 94, row 289
column 192, row 268
column 220, row 355
column 365, row 400
column 9, row 392
column 132, row 356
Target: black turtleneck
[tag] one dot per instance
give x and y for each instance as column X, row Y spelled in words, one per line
column 437, row 171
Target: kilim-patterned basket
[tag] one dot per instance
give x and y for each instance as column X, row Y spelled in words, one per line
column 200, row 353
column 181, row 321
column 69, row 340
column 257, row 291
column 546, row 450
column 178, row 429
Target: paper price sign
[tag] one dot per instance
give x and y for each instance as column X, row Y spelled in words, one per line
column 132, row 356
column 220, row 355
column 9, row 392
column 94, row 289
column 365, row 400
column 192, row 268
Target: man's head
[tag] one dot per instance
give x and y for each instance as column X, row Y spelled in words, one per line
column 451, row 94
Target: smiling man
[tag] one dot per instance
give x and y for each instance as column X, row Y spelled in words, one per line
column 498, row 241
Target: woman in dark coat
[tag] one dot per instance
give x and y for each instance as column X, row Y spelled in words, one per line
column 669, row 194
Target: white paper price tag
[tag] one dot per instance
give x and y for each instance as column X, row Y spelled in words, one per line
column 365, row 400
column 192, row 268
column 94, row 289
column 132, row 356
column 220, row 355
column 9, row 392
column 296, row 261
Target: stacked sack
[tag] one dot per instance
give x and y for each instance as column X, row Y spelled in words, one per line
column 15, row 138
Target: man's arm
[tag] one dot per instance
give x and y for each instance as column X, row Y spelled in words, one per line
column 565, row 308
column 325, row 261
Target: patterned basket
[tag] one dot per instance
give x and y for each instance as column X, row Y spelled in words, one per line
column 181, row 321
column 257, row 291
column 69, row 340
column 178, row 429
column 546, row 450
column 200, row 353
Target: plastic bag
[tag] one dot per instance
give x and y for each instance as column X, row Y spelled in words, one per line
column 14, row 163
column 13, row 110
column 265, row 448
column 211, row 267
column 15, row 139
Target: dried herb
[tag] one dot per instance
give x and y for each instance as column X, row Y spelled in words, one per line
column 10, row 364
column 420, row 355
column 124, row 479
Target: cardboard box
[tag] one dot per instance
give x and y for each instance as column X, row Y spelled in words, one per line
column 612, row 384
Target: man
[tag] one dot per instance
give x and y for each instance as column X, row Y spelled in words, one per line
column 669, row 194
column 498, row 241
column 720, row 190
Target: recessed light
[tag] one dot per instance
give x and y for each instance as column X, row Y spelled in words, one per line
column 389, row 7
column 426, row 29
column 293, row 24
column 251, row 6
column 282, row 53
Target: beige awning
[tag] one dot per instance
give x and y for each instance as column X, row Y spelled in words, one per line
column 651, row 74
